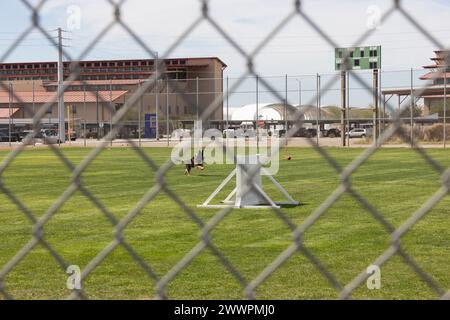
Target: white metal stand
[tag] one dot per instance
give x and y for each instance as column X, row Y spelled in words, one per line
column 244, row 195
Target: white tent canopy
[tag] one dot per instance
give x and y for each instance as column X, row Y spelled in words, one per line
column 266, row 112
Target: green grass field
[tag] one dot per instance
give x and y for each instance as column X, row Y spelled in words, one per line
column 346, row 239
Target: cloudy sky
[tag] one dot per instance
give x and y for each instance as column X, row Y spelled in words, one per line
column 297, row 50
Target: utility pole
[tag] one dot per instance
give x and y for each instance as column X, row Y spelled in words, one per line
column 61, row 109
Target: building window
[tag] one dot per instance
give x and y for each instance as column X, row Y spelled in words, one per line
column 357, row 63
column 351, row 54
column 362, row 54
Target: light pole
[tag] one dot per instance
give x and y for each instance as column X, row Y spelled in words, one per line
column 299, row 92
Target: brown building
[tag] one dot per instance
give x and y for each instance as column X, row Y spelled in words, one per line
column 440, row 75
column 187, row 87
column 433, row 93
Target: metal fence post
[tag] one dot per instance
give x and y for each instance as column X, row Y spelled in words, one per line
column 227, row 95
column 110, row 110
column 10, row 112
column 445, row 106
column 139, row 117
column 348, row 108
column 285, row 111
column 412, row 108
column 167, row 112
column 318, row 108
column 197, row 98
column 84, row 115
column 257, row 114
column 343, row 105
column 375, row 105
column 157, row 97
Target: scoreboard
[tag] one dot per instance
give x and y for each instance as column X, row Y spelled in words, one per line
column 359, row 58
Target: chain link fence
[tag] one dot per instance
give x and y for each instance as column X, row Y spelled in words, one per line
column 118, row 122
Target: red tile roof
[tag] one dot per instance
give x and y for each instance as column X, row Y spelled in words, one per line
column 69, row 97
column 4, row 112
column 96, row 82
column 434, row 75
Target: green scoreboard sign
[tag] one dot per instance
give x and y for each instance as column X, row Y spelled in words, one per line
column 359, row 58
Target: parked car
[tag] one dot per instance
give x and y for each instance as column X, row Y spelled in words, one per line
column 357, row 133
column 73, row 136
column 331, row 133
column 25, row 133
column 4, row 137
column 306, row 133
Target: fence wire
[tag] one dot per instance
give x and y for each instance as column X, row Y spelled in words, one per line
column 205, row 242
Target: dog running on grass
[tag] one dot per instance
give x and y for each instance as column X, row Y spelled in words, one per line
column 196, row 162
